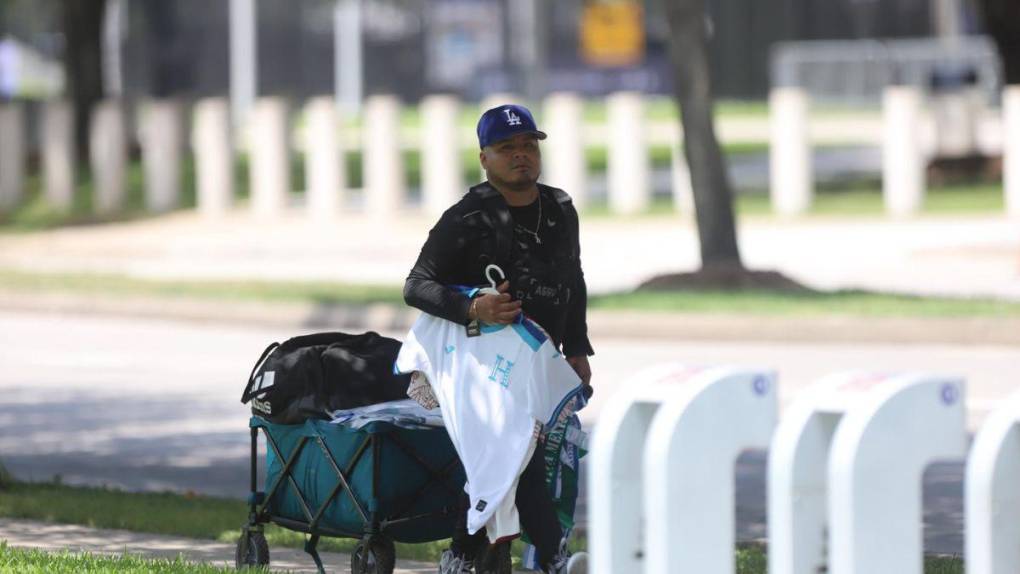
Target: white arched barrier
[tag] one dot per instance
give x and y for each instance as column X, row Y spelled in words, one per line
column 689, row 458
column 797, row 472
column 616, row 484
column 880, row 449
column 992, row 496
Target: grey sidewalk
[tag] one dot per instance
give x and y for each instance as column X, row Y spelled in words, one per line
column 57, row 537
column 931, row 255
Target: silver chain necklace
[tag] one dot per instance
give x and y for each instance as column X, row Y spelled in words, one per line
column 537, row 225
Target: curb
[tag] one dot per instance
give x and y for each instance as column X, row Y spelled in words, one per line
column 602, row 324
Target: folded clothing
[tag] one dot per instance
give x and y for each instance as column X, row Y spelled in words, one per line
column 404, row 413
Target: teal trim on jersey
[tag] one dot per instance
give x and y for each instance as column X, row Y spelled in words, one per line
column 535, row 336
column 527, row 336
column 577, row 394
column 469, row 292
column 490, row 327
column 526, row 329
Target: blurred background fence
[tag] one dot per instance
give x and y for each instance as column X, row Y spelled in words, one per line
column 207, row 103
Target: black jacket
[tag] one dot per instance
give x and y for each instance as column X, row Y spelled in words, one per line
column 477, row 231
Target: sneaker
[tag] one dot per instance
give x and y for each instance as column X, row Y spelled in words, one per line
column 452, row 564
column 566, row 563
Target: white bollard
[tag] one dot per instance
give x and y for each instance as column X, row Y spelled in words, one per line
column 797, row 471
column 161, row 134
column 992, row 494
column 564, row 162
column 629, row 174
column 616, row 480
column 902, row 157
column 383, row 164
column 689, row 459
column 270, row 157
column 683, row 189
column 214, row 157
column 791, row 186
column 324, row 160
column 1011, row 149
column 878, row 456
column 108, row 156
column 58, row 154
column 616, row 487
column 12, row 155
column 442, row 180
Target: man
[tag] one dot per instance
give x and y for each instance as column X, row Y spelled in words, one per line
column 530, row 231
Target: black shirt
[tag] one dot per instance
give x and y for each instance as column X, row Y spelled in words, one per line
column 543, row 266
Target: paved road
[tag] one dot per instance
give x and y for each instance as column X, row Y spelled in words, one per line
column 152, row 405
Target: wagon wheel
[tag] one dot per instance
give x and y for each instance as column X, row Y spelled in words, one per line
column 495, row 559
column 252, row 550
column 380, row 558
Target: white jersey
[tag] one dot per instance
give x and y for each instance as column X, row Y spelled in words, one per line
column 492, row 390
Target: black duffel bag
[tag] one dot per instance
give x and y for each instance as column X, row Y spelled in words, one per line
column 309, row 376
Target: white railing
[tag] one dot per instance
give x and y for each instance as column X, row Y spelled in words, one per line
column 843, row 481
column 908, row 131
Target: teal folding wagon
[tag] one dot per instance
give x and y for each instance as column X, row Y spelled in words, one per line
column 379, row 484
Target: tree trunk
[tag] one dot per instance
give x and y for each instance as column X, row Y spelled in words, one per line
column 713, row 194
column 83, row 63
column 1002, row 20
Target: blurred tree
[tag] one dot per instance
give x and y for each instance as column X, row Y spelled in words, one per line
column 721, row 266
column 713, row 193
column 1002, row 20
column 83, row 62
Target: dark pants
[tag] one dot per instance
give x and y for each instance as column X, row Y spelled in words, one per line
column 535, row 506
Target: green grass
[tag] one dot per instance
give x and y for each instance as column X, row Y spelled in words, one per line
column 212, row 518
column 762, row 303
column 37, row 562
column 167, row 513
column 35, row 213
column 162, row 513
column 853, row 199
column 323, row 293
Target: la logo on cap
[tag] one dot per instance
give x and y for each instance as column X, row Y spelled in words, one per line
column 512, row 119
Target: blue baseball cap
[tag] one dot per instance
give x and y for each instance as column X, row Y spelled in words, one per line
column 503, row 122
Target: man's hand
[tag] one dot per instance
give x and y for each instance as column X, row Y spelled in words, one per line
column 583, row 370
column 495, row 308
